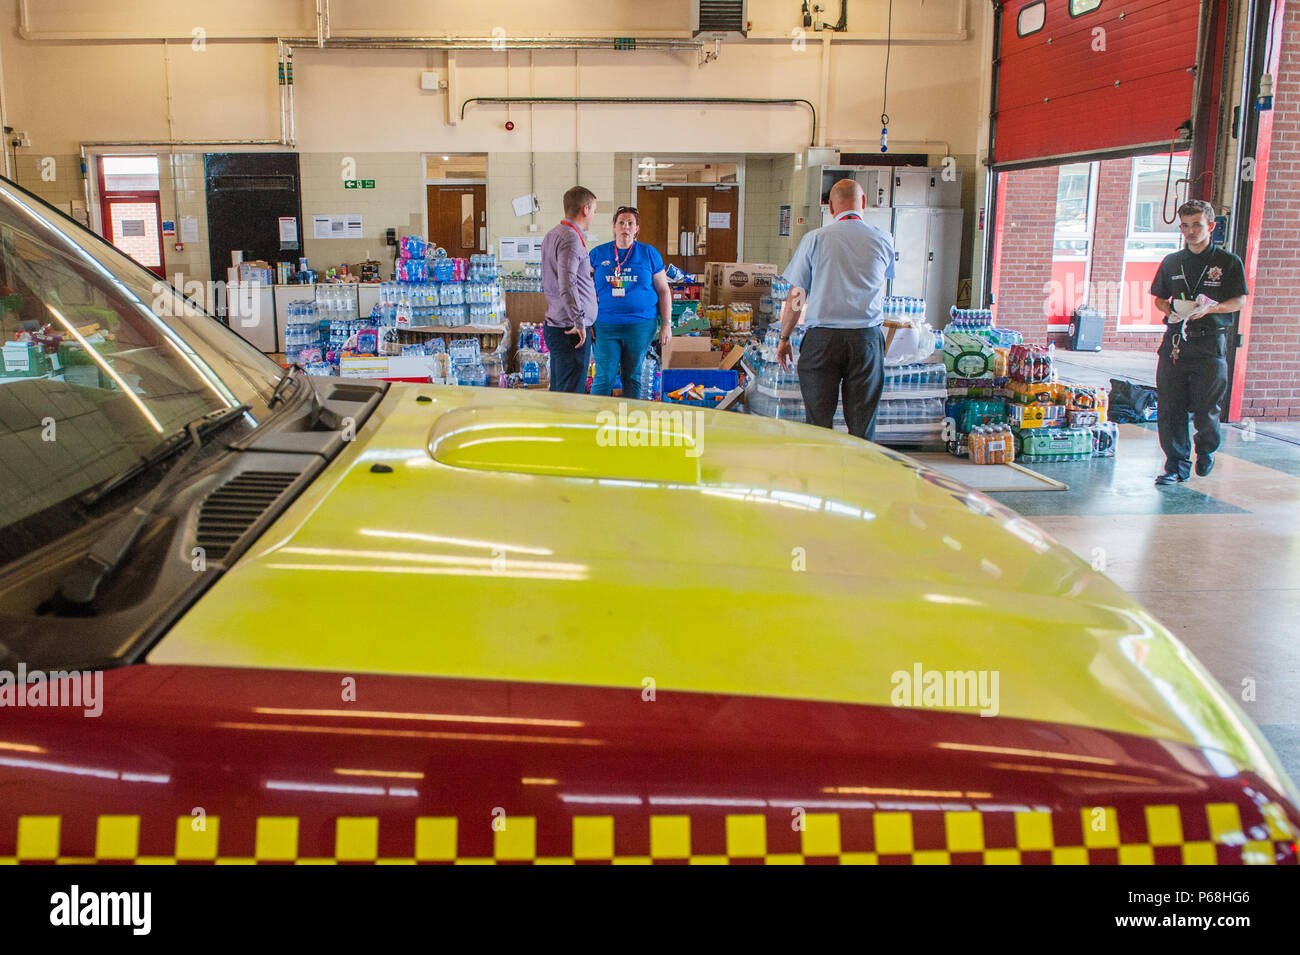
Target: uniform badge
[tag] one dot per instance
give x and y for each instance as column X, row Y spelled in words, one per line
column 605, row 264
column 1215, row 274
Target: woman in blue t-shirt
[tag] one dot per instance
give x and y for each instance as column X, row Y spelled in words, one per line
column 631, row 292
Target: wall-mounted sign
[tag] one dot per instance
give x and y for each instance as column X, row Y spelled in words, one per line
column 169, row 227
column 132, row 227
column 336, row 226
column 521, row 249
column 358, row 184
column 783, row 222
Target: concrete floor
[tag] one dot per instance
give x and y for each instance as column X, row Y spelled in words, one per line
column 1217, row 559
column 1098, row 368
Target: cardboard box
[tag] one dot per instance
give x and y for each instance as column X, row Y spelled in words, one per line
column 686, row 351
column 256, row 273
column 362, row 366
column 727, row 282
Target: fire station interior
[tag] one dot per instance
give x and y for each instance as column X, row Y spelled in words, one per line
column 1059, row 139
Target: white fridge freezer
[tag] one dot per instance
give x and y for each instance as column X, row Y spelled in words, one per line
column 927, row 250
column 250, row 312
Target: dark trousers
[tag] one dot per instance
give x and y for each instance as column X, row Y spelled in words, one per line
column 568, row 364
column 1195, row 384
column 620, row 351
column 848, row 362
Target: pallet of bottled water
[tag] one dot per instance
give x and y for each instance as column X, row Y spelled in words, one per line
column 529, row 280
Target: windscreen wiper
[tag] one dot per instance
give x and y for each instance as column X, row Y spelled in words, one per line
column 164, row 450
column 319, row 413
column 79, row 586
column 277, row 393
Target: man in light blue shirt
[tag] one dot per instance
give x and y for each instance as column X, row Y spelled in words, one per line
column 837, row 278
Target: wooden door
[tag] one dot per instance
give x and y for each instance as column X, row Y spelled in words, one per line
column 458, row 219
column 667, row 213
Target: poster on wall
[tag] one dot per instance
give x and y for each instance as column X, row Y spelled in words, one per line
column 288, row 234
column 189, row 229
column 783, row 223
column 347, row 226
column 521, row 249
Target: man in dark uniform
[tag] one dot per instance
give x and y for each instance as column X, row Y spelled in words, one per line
column 1199, row 288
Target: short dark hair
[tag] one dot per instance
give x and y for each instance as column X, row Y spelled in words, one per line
column 577, row 199
column 1197, row 207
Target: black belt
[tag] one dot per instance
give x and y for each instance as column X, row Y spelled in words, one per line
column 1201, row 332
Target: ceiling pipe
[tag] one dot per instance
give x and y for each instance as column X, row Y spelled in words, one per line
column 672, row 100
column 655, row 39
column 497, row 44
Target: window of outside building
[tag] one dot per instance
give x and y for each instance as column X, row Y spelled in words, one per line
column 1154, row 200
column 1079, row 7
column 1076, row 191
column 1030, row 19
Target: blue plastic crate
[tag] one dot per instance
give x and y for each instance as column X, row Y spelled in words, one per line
column 674, row 378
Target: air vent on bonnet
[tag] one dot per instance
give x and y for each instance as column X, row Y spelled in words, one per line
column 230, row 510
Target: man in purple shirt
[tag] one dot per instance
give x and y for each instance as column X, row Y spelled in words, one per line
column 570, row 293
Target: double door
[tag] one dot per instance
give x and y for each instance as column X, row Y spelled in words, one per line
column 689, row 225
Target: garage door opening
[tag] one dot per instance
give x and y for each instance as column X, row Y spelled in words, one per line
column 1087, row 234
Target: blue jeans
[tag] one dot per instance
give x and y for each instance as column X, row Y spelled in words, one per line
column 620, row 349
column 568, row 363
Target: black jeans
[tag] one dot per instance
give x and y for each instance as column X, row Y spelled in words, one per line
column 1195, row 384
column 850, row 361
column 568, row 363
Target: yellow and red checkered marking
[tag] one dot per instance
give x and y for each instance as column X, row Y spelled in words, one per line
column 1158, row 834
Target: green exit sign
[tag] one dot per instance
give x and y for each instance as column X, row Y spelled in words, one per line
column 349, row 183
column 358, row 184
column 367, row 184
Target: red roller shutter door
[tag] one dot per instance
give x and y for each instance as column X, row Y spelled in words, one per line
column 1059, row 94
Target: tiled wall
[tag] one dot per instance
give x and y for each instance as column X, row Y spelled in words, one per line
column 396, row 202
column 180, row 194
column 64, row 188
column 551, row 176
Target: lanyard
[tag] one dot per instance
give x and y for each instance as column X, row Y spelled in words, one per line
column 618, row 264
column 851, row 215
column 1182, row 326
column 581, row 237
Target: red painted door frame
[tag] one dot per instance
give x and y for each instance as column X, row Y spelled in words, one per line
column 107, row 198
column 1259, row 194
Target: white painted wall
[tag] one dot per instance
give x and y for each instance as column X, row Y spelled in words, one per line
column 368, row 104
